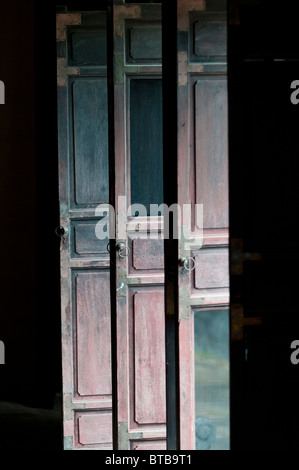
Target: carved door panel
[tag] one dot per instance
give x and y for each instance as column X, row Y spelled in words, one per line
column 203, row 180
column 83, row 185
column 141, row 397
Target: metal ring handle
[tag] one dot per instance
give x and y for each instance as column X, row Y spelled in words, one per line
column 122, row 247
column 185, row 263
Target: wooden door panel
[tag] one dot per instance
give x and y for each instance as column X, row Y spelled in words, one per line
column 211, row 268
column 83, row 184
column 211, row 147
column 90, row 140
column 87, row 46
column 202, row 179
column 93, row 429
column 209, row 36
column 144, row 42
column 139, row 275
column 86, row 244
column 93, row 333
column 148, row 326
column 148, row 255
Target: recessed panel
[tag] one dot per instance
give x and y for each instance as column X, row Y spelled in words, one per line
column 211, row 150
column 210, row 39
column 87, row 47
column 94, row 428
column 148, row 254
column 92, row 333
column 90, row 141
column 212, row 268
column 208, row 32
column 149, row 356
column 145, row 43
column 85, row 240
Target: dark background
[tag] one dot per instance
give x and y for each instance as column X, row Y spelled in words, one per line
column 263, row 204
column 28, row 181
column 264, row 171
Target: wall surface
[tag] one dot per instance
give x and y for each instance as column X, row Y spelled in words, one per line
column 29, row 282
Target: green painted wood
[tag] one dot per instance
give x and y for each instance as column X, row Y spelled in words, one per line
column 90, row 140
column 145, row 43
column 208, row 36
column 210, row 39
column 87, row 47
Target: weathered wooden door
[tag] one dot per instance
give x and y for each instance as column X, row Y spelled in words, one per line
column 141, row 403
column 139, row 288
column 84, row 198
column 83, row 182
column 203, row 180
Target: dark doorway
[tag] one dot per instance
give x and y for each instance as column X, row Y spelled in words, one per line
column 263, row 184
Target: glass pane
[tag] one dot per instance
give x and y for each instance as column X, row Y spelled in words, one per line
column 211, row 339
column 146, row 142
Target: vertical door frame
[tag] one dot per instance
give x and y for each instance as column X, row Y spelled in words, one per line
column 62, row 21
column 171, row 250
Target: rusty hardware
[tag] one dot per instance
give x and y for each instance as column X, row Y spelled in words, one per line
column 185, row 262
column 61, row 232
column 123, row 250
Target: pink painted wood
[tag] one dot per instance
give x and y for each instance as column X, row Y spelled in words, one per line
column 93, row 333
column 202, row 179
column 86, row 340
column 149, row 357
column 140, row 299
column 94, row 429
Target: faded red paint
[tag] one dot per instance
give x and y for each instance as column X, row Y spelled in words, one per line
column 86, row 341
column 141, row 390
column 202, row 179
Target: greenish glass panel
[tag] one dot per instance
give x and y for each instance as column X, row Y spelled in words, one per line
column 146, row 142
column 212, row 384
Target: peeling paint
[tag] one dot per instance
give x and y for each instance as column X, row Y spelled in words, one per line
column 63, row 20
column 67, row 406
column 121, row 13
column 182, row 68
column 118, row 69
column 68, row 443
column 61, row 71
column 124, row 437
column 73, row 71
column 184, row 8
column 63, row 210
